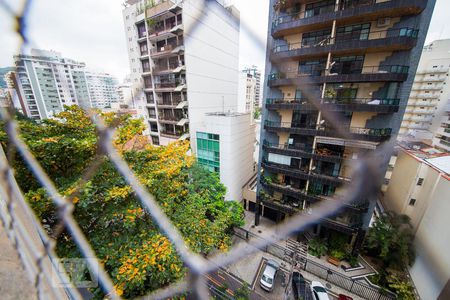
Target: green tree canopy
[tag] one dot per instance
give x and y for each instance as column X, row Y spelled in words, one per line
column 134, row 252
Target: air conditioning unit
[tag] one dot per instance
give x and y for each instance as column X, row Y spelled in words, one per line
column 382, row 22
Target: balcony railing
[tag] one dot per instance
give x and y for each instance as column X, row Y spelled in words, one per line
column 346, row 40
column 164, row 49
column 312, row 74
column 344, row 10
column 355, row 132
column 355, row 101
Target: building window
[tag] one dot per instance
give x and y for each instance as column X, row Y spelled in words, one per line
column 412, row 201
column 155, row 140
column 153, row 127
column 208, row 151
column 420, row 181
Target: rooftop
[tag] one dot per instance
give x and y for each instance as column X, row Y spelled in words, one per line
column 428, row 154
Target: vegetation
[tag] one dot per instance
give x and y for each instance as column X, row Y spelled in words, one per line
column 391, row 239
column 257, row 113
column 136, row 254
column 317, row 247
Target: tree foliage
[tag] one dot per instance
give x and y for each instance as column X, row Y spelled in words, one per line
column 126, row 240
column 391, row 239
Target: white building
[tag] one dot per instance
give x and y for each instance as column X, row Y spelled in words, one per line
column 420, row 187
column 429, row 95
column 441, row 139
column 178, row 72
column 255, row 73
column 45, row 82
column 225, row 144
column 102, row 89
column 246, row 93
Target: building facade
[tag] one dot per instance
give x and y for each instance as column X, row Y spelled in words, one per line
column 45, row 82
column 419, row 188
column 246, row 93
column 441, row 138
column 225, row 145
column 430, row 94
column 354, row 59
column 177, row 71
column 102, row 89
column 255, row 73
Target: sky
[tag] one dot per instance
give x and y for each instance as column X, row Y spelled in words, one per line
column 92, row 31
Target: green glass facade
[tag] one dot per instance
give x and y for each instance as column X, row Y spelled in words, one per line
column 208, row 151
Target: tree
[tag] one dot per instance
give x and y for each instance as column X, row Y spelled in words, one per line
column 391, row 238
column 135, row 253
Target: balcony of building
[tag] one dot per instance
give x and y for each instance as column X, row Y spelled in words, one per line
column 169, row 65
column 429, row 78
column 173, row 131
column 348, row 71
column 436, row 70
column 422, row 110
column 170, row 83
column 356, row 133
column 164, row 27
column 171, row 100
column 344, row 222
column 420, row 95
column 335, row 104
column 168, row 47
column 301, row 17
column 357, row 41
column 427, row 87
column 421, row 103
column 172, row 116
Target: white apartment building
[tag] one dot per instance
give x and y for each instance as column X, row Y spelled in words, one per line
column 45, row 82
column 255, row 73
column 178, row 70
column 441, row 139
column 225, row 144
column 430, row 93
column 246, row 93
column 102, row 89
column 419, row 187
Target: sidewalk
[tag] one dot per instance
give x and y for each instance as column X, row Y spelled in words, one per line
column 14, row 282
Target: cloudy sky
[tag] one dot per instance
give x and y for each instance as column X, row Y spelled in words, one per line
column 92, row 31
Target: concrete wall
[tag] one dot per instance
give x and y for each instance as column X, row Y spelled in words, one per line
column 431, row 270
column 212, row 60
column 237, row 138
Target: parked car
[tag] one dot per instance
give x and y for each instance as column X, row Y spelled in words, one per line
column 298, row 285
column 318, row 290
column 267, row 281
column 344, row 297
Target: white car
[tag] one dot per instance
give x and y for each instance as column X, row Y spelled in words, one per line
column 267, row 281
column 318, row 290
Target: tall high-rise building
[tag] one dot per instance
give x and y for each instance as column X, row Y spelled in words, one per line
column 355, row 58
column 184, row 63
column 430, row 96
column 46, row 81
column 246, row 93
column 255, row 73
column 102, row 89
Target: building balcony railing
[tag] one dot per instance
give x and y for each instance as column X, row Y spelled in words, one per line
column 164, row 50
column 301, row 150
column 301, row 194
column 166, row 67
column 289, row 209
column 308, row 75
column 348, row 10
column 169, row 84
column 303, row 173
column 335, row 104
column 392, row 39
column 424, row 96
column 357, row 133
column 169, row 103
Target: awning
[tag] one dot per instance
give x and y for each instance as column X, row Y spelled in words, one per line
column 182, row 104
column 174, row 8
column 178, row 49
column 184, row 137
column 180, row 88
column 177, row 29
column 182, row 122
column 179, row 69
column 347, row 143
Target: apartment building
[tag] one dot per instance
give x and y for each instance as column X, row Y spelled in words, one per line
column 353, row 58
column 430, row 94
column 184, row 63
column 102, row 89
column 45, row 82
column 246, row 93
column 441, row 139
column 255, row 73
column 419, row 188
